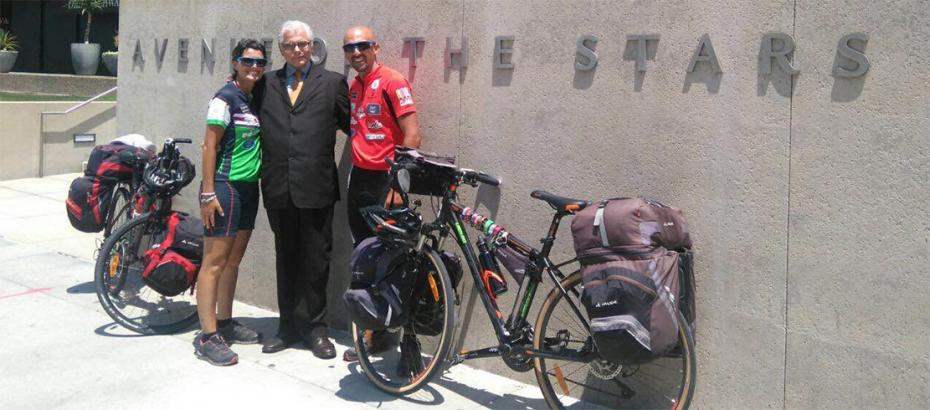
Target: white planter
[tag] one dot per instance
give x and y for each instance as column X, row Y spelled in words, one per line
column 85, row 58
column 7, row 60
column 109, row 61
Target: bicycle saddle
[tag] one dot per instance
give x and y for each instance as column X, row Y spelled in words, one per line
column 560, row 203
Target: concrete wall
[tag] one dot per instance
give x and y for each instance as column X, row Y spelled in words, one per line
column 803, row 194
column 22, row 130
column 60, row 84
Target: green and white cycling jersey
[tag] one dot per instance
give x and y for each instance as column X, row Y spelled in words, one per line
column 238, row 156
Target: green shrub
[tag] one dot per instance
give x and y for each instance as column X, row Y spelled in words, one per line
column 8, row 41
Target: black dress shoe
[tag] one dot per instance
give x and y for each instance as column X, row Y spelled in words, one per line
column 321, row 347
column 277, row 343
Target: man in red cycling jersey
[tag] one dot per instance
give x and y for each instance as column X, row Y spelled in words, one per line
column 382, row 116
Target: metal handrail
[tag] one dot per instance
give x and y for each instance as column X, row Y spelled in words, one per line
column 65, row 112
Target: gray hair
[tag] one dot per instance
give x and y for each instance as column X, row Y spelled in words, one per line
column 294, row 26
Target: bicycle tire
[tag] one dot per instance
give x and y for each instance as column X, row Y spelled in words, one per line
column 444, row 342
column 122, row 287
column 120, row 205
column 643, row 391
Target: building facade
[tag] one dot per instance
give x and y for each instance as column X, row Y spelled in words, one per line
column 792, row 133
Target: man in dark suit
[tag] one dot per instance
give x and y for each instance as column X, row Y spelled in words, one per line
column 302, row 106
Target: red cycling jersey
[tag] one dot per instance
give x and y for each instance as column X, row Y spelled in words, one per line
column 375, row 131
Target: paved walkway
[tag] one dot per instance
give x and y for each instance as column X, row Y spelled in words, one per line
column 60, row 350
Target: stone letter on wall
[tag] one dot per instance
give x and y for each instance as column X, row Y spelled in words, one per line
column 414, row 48
column 319, row 51
column 501, row 49
column 182, row 50
column 452, row 53
column 160, row 54
column 844, row 49
column 585, row 53
column 705, row 52
column 781, row 55
column 641, row 56
column 137, row 57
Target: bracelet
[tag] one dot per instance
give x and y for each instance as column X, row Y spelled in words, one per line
column 203, row 194
column 206, row 199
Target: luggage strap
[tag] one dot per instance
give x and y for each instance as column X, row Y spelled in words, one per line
column 599, row 223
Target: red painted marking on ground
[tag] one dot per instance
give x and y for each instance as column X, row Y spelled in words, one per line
column 30, row 291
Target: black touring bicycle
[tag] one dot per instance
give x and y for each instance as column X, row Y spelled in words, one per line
column 558, row 346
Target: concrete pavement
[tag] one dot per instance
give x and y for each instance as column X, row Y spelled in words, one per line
column 59, row 349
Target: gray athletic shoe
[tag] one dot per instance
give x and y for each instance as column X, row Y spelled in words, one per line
column 215, row 351
column 236, row 332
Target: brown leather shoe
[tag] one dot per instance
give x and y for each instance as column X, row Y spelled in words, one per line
column 321, row 347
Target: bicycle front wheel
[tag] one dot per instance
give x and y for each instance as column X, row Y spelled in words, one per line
column 121, row 290
column 400, row 362
column 120, row 207
column 666, row 382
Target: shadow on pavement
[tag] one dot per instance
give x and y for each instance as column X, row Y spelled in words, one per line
column 356, row 387
column 86, row 287
column 107, row 330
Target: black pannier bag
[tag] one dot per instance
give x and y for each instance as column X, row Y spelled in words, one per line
column 88, row 203
column 171, row 267
column 621, row 244
column 428, row 316
column 381, row 287
column 434, row 174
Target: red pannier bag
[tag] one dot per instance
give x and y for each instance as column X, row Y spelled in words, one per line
column 172, row 266
column 88, row 203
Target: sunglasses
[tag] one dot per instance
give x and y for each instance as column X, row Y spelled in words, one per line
column 252, row 62
column 360, row 46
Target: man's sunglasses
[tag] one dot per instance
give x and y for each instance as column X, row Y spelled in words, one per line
column 360, row 46
column 252, row 62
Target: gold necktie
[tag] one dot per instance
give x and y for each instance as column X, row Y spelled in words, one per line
column 295, row 89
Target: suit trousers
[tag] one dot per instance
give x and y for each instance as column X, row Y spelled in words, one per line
column 303, row 242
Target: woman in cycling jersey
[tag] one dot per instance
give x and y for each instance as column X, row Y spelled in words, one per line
column 228, row 203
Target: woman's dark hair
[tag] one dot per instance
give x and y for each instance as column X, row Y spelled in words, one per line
column 242, row 46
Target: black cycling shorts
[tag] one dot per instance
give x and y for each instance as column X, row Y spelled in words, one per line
column 239, row 201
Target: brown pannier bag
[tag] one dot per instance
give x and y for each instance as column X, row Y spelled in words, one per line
column 629, row 225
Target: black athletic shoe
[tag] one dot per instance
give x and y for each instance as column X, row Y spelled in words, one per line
column 215, row 351
column 236, row 332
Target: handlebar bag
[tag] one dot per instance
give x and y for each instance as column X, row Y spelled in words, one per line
column 434, row 172
column 88, row 203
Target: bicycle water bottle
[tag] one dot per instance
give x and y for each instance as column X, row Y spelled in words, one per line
column 494, row 283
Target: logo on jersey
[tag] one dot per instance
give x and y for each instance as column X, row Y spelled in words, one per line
column 373, row 109
column 375, row 125
column 403, row 95
column 375, row 84
column 245, row 120
column 374, row 137
column 353, row 95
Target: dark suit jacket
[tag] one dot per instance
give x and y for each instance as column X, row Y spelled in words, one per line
column 298, row 142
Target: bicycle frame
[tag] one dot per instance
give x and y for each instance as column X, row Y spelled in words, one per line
column 509, row 333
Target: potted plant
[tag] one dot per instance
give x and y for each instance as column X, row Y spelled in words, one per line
column 8, row 53
column 110, row 57
column 85, row 57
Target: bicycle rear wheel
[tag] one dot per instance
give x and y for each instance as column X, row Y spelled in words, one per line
column 121, row 290
column 419, row 349
column 667, row 382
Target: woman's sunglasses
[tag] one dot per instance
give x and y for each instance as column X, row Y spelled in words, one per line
column 360, row 46
column 252, row 62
